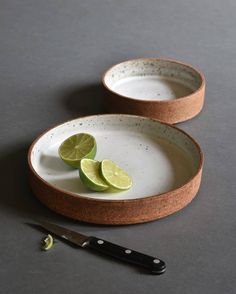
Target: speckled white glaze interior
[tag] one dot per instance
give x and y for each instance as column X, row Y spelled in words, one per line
column 158, row 157
column 152, row 79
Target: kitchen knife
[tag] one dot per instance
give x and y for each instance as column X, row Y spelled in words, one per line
column 153, row 264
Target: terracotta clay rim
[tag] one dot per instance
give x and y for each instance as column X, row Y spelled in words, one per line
column 202, row 85
column 93, row 200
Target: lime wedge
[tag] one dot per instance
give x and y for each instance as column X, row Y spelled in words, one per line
column 115, row 176
column 47, row 242
column 76, row 147
column 89, row 175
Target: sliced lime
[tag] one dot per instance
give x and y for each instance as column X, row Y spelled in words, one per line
column 47, row 243
column 114, row 176
column 76, row 147
column 89, row 175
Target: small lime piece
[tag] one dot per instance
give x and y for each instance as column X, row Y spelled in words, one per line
column 115, row 176
column 76, row 147
column 47, row 242
column 89, row 174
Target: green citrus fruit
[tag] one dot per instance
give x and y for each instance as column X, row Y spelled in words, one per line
column 76, row 147
column 47, row 242
column 114, row 176
column 89, row 171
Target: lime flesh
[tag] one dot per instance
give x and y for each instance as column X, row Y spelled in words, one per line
column 76, row 147
column 114, row 176
column 89, row 171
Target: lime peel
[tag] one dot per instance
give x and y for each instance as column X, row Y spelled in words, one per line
column 47, row 242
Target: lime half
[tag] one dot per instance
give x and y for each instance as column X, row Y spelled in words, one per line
column 115, row 176
column 90, row 175
column 76, row 147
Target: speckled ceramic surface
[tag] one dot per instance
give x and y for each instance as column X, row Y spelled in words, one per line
column 154, row 88
column 159, row 158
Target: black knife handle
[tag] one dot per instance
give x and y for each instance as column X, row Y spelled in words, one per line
column 153, row 264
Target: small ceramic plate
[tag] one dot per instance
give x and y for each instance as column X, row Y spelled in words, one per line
column 168, row 90
column 164, row 162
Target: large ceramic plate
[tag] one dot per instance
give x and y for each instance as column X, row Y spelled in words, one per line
column 164, row 162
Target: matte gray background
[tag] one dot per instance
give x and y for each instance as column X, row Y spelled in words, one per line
column 52, row 55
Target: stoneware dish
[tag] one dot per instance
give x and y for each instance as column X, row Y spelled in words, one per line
column 168, row 90
column 164, row 162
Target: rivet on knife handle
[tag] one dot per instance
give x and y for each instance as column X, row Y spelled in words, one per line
column 153, row 264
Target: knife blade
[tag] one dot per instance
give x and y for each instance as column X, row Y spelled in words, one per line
column 153, row 264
